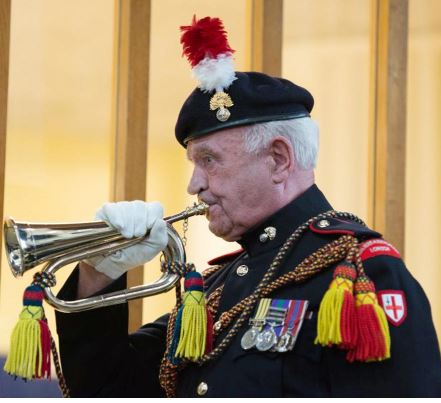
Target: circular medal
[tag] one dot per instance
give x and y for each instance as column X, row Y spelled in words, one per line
column 283, row 343
column 249, row 338
column 266, row 339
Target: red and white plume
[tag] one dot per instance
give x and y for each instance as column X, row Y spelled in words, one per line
column 206, row 47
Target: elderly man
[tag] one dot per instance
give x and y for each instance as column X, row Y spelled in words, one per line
column 314, row 304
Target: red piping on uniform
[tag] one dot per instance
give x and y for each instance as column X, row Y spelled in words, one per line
column 220, row 259
column 331, row 231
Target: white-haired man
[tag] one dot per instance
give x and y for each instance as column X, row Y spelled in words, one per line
column 314, row 303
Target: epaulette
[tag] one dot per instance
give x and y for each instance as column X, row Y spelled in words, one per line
column 228, row 257
column 371, row 244
column 334, row 225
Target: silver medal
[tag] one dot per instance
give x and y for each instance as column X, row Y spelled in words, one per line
column 266, row 339
column 284, row 343
column 249, row 338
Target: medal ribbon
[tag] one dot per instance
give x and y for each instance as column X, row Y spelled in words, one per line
column 289, row 314
column 259, row 318
column 297, row 314
column 277, row 313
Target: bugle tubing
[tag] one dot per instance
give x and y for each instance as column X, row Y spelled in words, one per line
column 31, row 244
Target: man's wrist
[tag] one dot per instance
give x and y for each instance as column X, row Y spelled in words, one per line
column 90, row 280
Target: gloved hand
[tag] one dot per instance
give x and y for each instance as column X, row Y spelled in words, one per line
column 131, row 219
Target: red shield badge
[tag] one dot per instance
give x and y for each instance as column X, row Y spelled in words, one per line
column 394, row 305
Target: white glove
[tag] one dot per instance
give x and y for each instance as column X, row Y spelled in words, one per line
column 131, row 219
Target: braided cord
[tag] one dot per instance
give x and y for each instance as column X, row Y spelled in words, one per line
column 61, row 380
column 325, row 256
column 319, row 260
column 44, row 280
column 269, row 275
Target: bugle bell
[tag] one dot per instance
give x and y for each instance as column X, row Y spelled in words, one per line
column 31, row 244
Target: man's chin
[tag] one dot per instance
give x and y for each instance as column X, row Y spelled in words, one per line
column 220, row 232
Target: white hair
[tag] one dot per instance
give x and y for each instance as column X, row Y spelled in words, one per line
column 302, row 133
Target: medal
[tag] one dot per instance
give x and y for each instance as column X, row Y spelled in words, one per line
column 275, row 326
column 284, row 342
column 291, row 328
column 275, row 318
column 266, row 339
column 249, row 338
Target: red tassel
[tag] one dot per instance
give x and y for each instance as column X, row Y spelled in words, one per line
column 204, row 37
column 348, row 320
column 45, row 349
column 210, row 337
column 373, row 342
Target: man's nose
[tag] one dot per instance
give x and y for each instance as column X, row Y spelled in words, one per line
column 198, row 182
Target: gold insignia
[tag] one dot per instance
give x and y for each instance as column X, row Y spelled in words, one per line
column 221, row 101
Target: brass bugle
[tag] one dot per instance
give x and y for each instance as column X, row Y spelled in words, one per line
column 31, row 244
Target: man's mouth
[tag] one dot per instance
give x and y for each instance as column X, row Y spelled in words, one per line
column 211, row 206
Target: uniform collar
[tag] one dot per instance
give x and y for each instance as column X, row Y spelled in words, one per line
column 285, row 221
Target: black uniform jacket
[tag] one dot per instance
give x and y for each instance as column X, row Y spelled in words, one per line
column 99, row 358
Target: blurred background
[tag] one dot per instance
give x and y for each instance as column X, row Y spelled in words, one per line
column 61, row 122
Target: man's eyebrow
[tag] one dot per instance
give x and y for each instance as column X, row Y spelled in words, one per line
column 199, row 151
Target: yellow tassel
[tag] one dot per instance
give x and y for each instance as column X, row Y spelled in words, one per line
column 336, row 313
column 193, row 327
column 25, row 355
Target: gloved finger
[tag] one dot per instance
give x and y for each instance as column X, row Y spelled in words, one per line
column 131, row 219
column 146, row 214
column 112, row 214
column 142, row 252
column 155, row 212
column 115, row 264
column 135, row 219
column 156, row 241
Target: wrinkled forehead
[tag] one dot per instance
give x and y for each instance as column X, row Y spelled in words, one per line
column 220, row 141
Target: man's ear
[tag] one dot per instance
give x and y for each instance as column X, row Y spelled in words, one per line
column 282, row 158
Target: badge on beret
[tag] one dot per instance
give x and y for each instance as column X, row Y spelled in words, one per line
column 394, row 305
column 220, row 102
column 206, row 47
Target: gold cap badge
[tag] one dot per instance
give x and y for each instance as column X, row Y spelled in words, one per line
column 221, row 101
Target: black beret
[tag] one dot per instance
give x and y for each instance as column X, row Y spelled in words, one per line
column 256, row 97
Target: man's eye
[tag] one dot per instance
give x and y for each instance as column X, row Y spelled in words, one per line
column 208, row 159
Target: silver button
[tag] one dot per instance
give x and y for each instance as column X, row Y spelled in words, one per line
column 242, row 270
column 263, row 238
column 217, row 326
column 323, row 223
column 202, row 389
column 268, row 233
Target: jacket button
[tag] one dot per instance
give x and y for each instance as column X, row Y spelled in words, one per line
column 324, row 223
column 242, row 270
column 202, row 389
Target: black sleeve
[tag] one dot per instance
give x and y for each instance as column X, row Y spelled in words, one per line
column 414, row 369
column 99, row 358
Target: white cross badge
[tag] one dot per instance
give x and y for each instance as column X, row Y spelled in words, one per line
column 394, row 305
